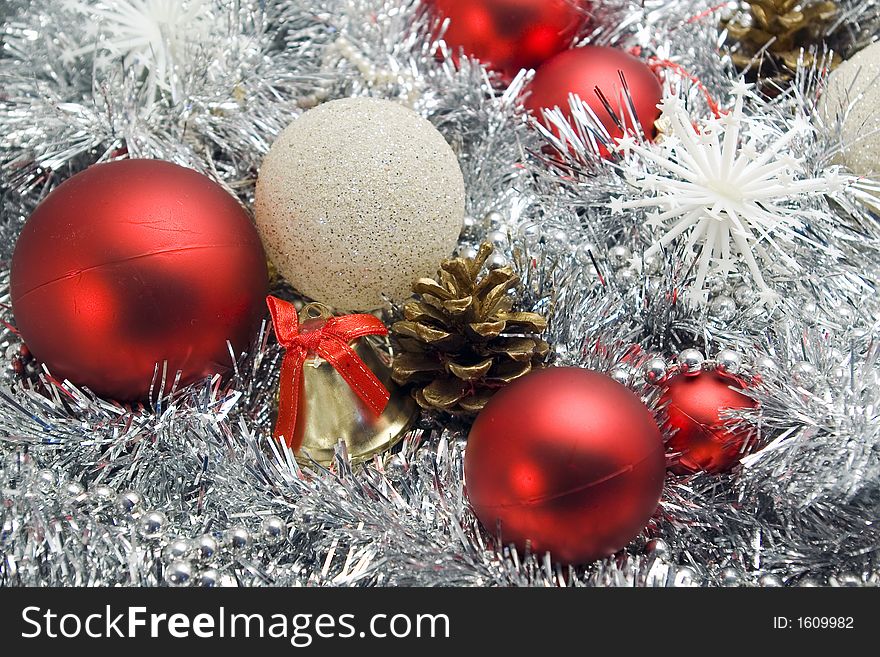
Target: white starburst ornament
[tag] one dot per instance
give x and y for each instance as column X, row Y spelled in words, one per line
column 155, row 37
column 723, row 186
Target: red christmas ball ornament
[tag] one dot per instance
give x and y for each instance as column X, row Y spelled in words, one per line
column 703, row 441
column 568, row 460
column 133, row 263
column 509, row 35
column 583, row 71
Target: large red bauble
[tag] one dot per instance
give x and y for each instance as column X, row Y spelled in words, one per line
column 509, row 35
column 702, row 439
column 568, row 460
column 133, row 263
column 582, row 70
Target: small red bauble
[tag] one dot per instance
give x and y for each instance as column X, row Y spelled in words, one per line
column 582, row 70
column 703, row 441
column 509, row 35
column 132, row 263
column 568, row 460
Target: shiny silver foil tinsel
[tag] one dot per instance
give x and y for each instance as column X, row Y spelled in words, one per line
column 208, row 88
column 190, row 489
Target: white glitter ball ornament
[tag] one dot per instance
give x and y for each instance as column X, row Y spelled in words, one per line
column 356, row 200
column 853, row 94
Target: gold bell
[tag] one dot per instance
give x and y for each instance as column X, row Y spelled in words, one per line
column 330, row 411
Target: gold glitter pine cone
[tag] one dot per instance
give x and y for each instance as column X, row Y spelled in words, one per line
column 792, row 25
column 461, row 340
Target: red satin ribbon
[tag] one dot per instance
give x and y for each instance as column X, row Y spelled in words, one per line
column 330, row 342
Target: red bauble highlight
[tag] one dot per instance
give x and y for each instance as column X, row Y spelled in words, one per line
column 132, row 263
column 509, row 35
column 703, row 441
column 568, row 460
column 582, row 70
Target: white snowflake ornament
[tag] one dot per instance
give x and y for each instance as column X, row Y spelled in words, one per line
column 718, row 187
column 155, row 37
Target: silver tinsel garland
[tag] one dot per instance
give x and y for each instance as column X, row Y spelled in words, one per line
column 192, row 490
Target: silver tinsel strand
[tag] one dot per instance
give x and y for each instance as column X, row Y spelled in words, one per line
column 191, row 489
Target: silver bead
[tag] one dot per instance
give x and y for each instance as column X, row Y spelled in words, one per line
column 772, row 311
column 497, row 238
column 206, row 547
column 809, row 583
column 496, row 261
column 74, row 492
column 805, row 375
column 178, row 573
column 770, row 581
column 766, row 365
column 690, row 361
column 128, row 502
column 620, row 373
column 723, row 308
column 655, row 371
column 73, row 489
column 619, row 256
column 209, row 578
column 845, row 580
column 395, row 469
column 584, row 251
column 273, row 529
column 101, row 495
column 559, row 237
column 686, row 577
column 468, row 227
column 745, row 296
column 810, row 312
column 45, row 480
column 176, row 550
column 728, row 361
column 626, row 277
column 845, row 315
column 652, row 265
column 238, row 538
column 715, row 285
column 531, row 234
column 657, row 547
column 468, row 252
column 495, row 219
column 151, row 524
column 731, row 577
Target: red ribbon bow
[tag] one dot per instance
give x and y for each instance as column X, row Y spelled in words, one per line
column 330, row 342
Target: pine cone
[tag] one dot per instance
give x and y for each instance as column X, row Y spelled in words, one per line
column 792, row 25
column 461, row 340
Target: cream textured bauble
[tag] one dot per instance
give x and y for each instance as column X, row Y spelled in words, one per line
column 357, row 199
column 853, row 94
